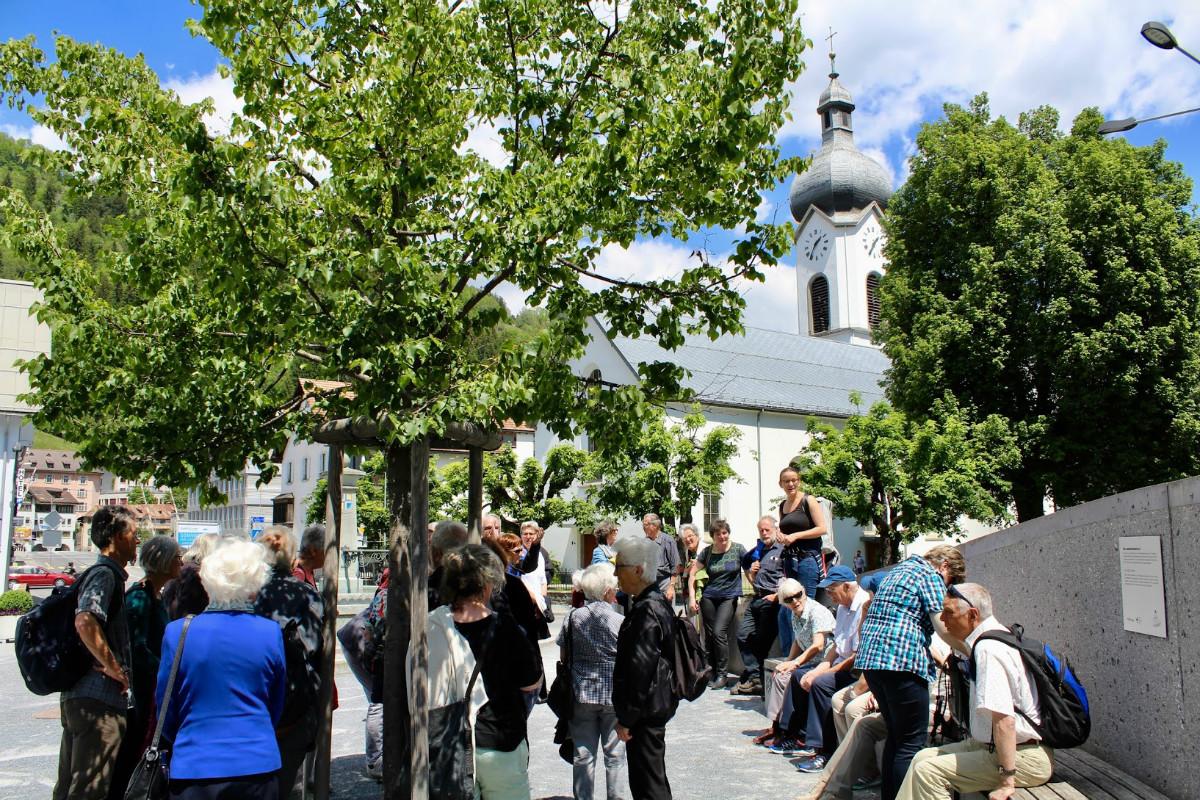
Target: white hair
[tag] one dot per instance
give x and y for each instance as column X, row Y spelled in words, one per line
column 597, row 580
column 638, row 551
column 976, row 596
column 203, row 544
column 234, row 572
column 789, row 587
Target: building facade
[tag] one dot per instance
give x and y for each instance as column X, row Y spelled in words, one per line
column 55, row 482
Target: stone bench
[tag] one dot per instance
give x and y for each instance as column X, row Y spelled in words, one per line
column 1079, row 775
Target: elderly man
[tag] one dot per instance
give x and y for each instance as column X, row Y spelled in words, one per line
column 642, row 676
column 760, row 622
column 669, row 564
column 92, row 712
column 836, row 671
column 299, row 611
column 1004, row 751
column 490, row 526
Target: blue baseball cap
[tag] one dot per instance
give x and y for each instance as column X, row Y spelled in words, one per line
column 838, row 574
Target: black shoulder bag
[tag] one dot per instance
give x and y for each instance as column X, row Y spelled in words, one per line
column 153, row 773
column 562, row 692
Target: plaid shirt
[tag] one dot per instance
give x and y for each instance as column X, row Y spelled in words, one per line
column 594, row 630
column 897, row 630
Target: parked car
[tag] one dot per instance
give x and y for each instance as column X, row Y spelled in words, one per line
column 36, row 577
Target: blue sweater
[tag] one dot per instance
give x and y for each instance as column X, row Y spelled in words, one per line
column 228, row 695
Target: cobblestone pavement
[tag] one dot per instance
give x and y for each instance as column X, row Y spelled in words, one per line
column 709, row 754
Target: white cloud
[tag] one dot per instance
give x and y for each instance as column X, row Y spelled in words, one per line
column 37, row 134
column 902, row 61
column 484, row 140
column 215, row 86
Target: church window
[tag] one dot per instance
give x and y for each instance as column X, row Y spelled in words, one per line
column 828, row 119
column 873, row 300
column 712, row 508
column 818, row 302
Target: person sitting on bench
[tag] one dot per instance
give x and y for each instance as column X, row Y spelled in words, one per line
column 1004, row 751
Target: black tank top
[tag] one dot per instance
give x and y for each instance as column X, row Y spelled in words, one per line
column 798, row 520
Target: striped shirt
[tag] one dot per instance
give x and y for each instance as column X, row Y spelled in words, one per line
column 594, row 629
column 897, row 631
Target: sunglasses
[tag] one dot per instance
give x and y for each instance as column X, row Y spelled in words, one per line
column 791, row 599
column 953, row 591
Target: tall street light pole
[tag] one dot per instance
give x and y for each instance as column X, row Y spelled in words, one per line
column 1159, row 35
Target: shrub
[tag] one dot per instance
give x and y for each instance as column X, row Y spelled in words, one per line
column 15, row 602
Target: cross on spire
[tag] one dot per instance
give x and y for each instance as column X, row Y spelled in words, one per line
column 832, row 55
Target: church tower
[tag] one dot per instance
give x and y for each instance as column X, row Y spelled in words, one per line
column 838, row 205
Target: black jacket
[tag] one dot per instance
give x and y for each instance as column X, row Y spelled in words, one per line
column 642, row 692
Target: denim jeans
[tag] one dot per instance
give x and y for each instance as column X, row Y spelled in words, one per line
column 374, row 728
column 594, row 726
column 756, row 634
column 904, row 702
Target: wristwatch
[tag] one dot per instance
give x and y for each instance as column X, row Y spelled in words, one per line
column 1006, row 773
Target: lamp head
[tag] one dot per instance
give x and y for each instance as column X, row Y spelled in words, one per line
column 1159, row 35
column 1118, row 125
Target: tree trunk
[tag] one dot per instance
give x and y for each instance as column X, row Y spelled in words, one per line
column 397, row 770
column 1029, row 496
column 329, row 595
column 418, row 644
column 475, row 491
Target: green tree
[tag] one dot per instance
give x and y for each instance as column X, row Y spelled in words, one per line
column 517, row 492
column 348, row 224
column 140, row 494
column 1053, row 281
column 667, row 471
column 908, row 478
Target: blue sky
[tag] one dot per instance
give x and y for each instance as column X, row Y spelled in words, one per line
column 901, row 61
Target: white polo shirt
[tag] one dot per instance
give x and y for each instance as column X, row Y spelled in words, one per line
column 846, row 627
column 1002, row 684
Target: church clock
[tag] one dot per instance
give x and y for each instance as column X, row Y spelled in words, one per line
column 873, row 240
column 815, row 245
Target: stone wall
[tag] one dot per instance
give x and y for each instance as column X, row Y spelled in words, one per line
column 1059, row 576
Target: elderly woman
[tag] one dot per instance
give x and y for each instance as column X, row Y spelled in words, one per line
column 513, row 596
column 893, row 651
column 229, row 693
column 723, row 563
column 184, row 594
column 466, row 633
column 593, row 633
column 606, row 535
column 298, row 611
column 147, row 619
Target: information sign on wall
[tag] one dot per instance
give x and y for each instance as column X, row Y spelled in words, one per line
column 1143, row 595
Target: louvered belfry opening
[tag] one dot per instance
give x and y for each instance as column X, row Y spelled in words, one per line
column 818, row 300
column 873, row 300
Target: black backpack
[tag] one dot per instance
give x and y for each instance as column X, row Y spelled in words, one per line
column 1062, row 701
column 50, row 654
column 691, row 672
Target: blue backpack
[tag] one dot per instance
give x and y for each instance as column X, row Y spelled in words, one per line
column 1062, row 701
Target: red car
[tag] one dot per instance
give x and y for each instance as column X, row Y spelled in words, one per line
column 35, row 577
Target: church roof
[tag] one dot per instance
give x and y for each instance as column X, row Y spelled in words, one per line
column 840, row 177
column 771, row 370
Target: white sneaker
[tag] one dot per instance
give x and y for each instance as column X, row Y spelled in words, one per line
column 375, row 771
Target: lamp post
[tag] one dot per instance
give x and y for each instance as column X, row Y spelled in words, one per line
column 1159, row 35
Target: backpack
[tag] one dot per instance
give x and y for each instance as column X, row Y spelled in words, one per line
column 50, row 654
column 1062, row 700
column 691, row 672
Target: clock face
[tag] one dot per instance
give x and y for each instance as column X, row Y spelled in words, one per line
column 873, row 240
column 815, row 245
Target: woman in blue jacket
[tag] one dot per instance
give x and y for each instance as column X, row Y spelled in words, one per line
column 229, row 691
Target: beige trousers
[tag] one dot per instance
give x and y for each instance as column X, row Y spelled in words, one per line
column 847, row 708
column 854, row 758
column 969, row 766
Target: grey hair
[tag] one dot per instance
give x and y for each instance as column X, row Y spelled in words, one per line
column 789, row 587
column 977, row 596
column 486, row 517
column 639, row 551
column 689, row 527
column 159, row 554
column 204, row 544
column 313, row 538
column 603, row 530
column 597, row 580
column 468, row 571
column 285, row 554
column 768, row 516
column 447, row 535
column 234, row 572
column 654, row 520
column 530, row 524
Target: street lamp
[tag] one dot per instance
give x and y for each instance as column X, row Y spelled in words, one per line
column 1129, row 123
column 1159, row 35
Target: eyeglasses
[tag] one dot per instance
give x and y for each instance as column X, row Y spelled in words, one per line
column 953, row 591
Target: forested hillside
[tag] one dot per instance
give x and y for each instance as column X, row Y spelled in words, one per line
column 82, row 220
